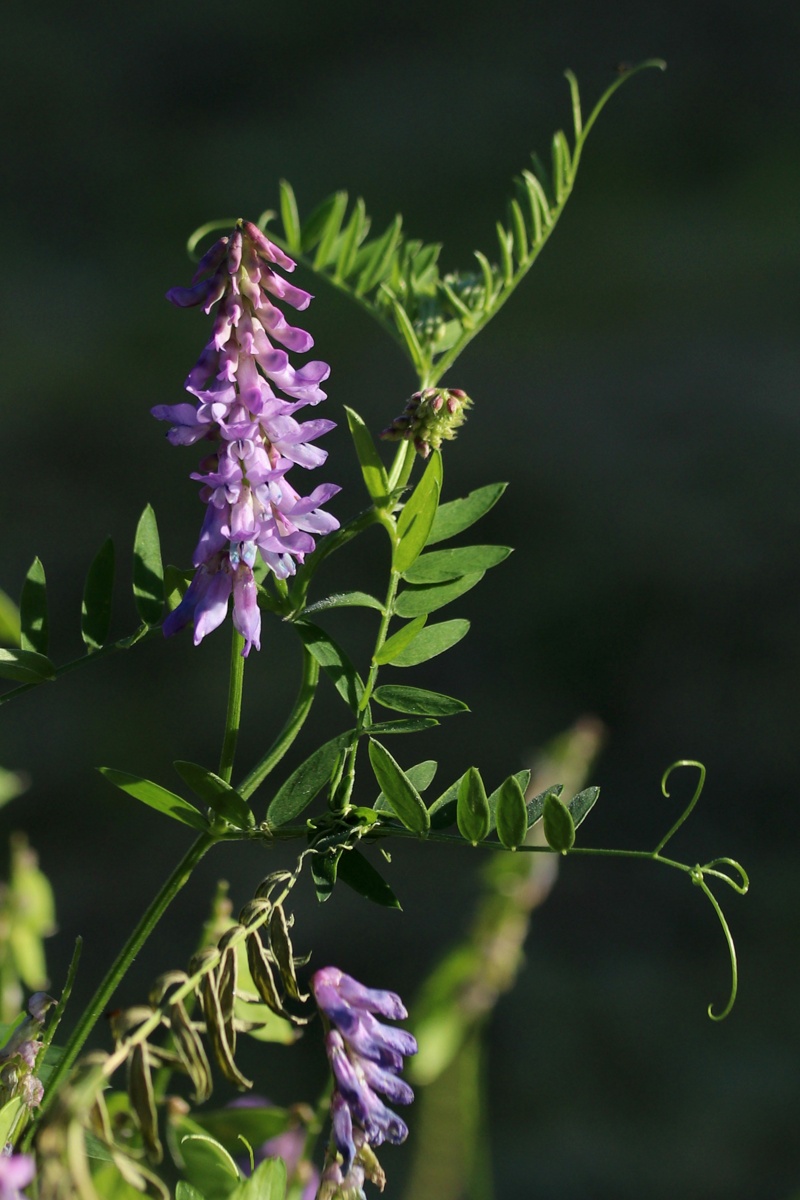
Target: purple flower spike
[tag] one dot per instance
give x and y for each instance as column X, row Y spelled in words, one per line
column 16, row 1171
column 366, row 1057
column 233, row 386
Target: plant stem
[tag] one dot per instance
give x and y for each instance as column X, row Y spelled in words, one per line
column 116, row 972
column 294, row 723
column 233, row 714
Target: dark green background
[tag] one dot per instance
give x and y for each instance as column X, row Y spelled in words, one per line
column 639, row 392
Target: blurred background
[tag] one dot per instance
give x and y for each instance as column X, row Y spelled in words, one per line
column 639, row 393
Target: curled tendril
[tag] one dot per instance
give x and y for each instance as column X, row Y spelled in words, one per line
column 203, row 231
column 698, row 877
column 740, row 885
column 682, row 762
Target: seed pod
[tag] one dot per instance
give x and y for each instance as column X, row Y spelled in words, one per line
column 254, row 911
column 216, row 1029
column 143, row 1103
column 192, row 1053
column 268, row 885
column 227, row 973
column 281, row 946
column 163, row 984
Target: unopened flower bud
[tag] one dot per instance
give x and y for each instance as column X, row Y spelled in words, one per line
column 429, row 418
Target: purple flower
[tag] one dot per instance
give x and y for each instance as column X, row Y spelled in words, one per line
column 16, row 1171
column 289, row 1145
column 365, row 1057
column 235, row 385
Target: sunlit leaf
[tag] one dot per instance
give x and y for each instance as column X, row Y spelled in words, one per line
column 306, row 782
column 437, row 566
column 97, row 597
column 403, row 797
column 333, row 660
column 157, row 797
column 33, row 610
column 290, row 217
column 432, row 640
column 216, row 793
column 511, row 817
column 417, row 700
column 416, row 519
column 344, row 600
column 148, row 573
column 472, row 810
column 413, row 601
column 399, row 641
column 25, row 666
column 559, row 828
column 372, row 468
column 457, row 515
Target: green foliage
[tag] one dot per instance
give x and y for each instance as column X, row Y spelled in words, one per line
column 511, row 817
column 358, row 873
column 33, row 610
column 217, row 794
column 25, row 666
column 307, row 781
column 432, row 314
column 148, row 572
column 372, row 468
column 429, row 642
column 9, row 621
column 157, row 797
column 559, row 828
column 472, row 810
column 97, row 597
column 417, row 700
column 398, row 789
column 333, row 661
column 457, row 515
column 417, row 516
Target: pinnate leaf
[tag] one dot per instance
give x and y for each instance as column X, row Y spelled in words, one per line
column 395, row 784
column 399, row 641
column 559, row 828
column 418, row 700
column 457, row 515
column 427, row 598
column 307, row 781
column 216, row 793
column 511, row 816
column 430, row 641
column 416, row 519
column 97, row 597
column 472, row 812
column 372, row 469
column 441, row 565
column 157, row 797
column 148, row 572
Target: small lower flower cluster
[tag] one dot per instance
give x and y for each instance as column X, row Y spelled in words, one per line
column 365, row 1057
column 252, row 508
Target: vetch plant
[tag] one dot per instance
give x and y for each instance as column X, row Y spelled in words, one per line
column 137, row 1118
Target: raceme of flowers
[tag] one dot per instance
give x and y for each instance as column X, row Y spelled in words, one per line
column 251, row 509
column 365, row 1057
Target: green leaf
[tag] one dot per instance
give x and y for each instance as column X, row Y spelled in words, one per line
column 511, row 814
column 148, row 573
column 306, row 782
column 353, row 235
column 523, row 778
column 417, row 700
column 420, row 775
column 443, row 810
column 427, row 598
column 457, row 515
column 25, row 666
column 344, row 600
column 379, row 256
column 216, row 793
column 33, row 610
column 581, row 805
column 432, row 640
column 268, row 1182
column 359, row 874
column 559, row 828
column 409, row 725
column 156, row 797
column 176, row 583
column 472, row 811
column 399, row 641
column 314, row 225
column 536, row 805
column 97, row 597
column 403, row 797
column 333, row 661
column 324, row 869
column 372, row 468
column 416, row 519
column 7, row 1116
column 9, row 621
column 290, row 217
column 257, row 1124
column 209, row 1166
column 327, row 250
column 185, row 1191
column 440, row 565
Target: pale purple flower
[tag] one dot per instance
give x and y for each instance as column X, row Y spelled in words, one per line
column 366, row 1057
column 16, row 1171
column 236, row 385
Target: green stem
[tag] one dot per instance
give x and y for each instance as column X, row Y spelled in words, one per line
column 137, row 939
column 233, row 714
column 294, row 723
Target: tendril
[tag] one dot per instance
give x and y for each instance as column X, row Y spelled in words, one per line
column 741, row 885
column 697, row 875
column 683, row 762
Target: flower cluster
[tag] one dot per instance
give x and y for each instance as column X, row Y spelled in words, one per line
column 18, row 1057
column 16, row 1171
column 429, row 418
column 252, row 508
column 365, row 1057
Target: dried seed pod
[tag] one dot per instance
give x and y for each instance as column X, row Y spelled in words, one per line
column 264, row 979
column 217, row 1034
column 164, row 983
column 227, row 974
column 268, row 885
column 124, row 1020
column 143, row 1103
column 191, row 1050
column 281, row 946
